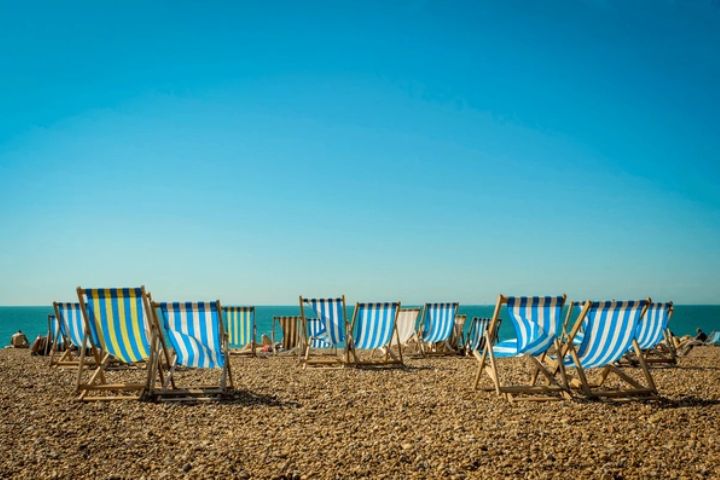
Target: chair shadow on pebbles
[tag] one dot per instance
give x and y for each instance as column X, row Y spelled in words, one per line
column 245, row 398
column 688, row 401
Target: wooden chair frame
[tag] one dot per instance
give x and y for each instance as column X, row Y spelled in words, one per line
column 331, row 360
column 389, row 358
column 169, row 392
column 551, row 390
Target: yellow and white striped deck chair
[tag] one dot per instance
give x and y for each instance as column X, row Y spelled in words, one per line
column 119, row 322
column 241, row 329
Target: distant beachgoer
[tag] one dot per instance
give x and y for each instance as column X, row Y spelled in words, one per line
column 19, row 340
column 688, row 344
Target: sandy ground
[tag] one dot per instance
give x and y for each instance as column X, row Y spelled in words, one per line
column 424, row 421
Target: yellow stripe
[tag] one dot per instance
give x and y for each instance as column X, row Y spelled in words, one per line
column 98, row 320
column 137, row 324
column 111, row 325
column 123, row 326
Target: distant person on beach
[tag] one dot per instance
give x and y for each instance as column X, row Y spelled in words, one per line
column 19, row 340
column 699, row 339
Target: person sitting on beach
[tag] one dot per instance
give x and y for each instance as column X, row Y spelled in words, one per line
column 699, row 339
column 266, row 344
column 19, row 340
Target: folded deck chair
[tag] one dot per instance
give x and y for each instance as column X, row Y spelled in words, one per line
column 654, row 337
column 437, row 328
column 328, row 332
column 373, row 327
column 291, row 337
column 537, row 324
column 241, row 329
column 121, row 322
column 458, row 335
column 609, row 332
column 195, row 335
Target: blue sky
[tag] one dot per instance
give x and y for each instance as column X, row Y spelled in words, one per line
column 394, row 150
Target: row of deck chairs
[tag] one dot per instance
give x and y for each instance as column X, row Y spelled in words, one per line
column 605, row 337
column 124, row 330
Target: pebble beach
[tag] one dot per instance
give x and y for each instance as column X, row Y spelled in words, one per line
column 423, row 421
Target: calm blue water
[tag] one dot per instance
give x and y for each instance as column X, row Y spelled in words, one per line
column 33, row 320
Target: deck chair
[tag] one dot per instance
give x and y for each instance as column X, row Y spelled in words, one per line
column 654, row 337
column 291, row 338
column 196, row 337
column 437, row 328
column 475, row 340
column 121, row 322
column 537, row 325
column 373, row 326
column 609, row 333
column 457, row 341
column 713, row 339
column 70, row 315
column 241, row 330
column 326, row 333
column 406, row 325
column 56, row 341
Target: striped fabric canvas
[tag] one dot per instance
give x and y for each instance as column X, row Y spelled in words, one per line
column 240, row 325
column 650, row 328
column 439, row 321
column 406, row 324
column 119, row 322
column 478, row 328
column 57, row 330
column 609, row 332
column 536, row 321
column 317, row 333
column 193, row 330
column 71, row 315
column 290, row 331
column 374, row 324
column 330, row 312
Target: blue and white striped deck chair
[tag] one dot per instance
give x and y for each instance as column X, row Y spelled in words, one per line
column 329, row 331
column 610, row 332
column 713, row 339
column 373, row 326
column 241, row 329
column 316, row 333
column 195, row 333
column 651, row 331
column 476, row 334
column 70, row 317
column 538, row 324
column 120, row 321
column 55, row 340
column 437, row 327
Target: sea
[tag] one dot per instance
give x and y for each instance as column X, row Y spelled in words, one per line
column 33, row 321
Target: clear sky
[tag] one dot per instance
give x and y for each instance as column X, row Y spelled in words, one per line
column 411, row 150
